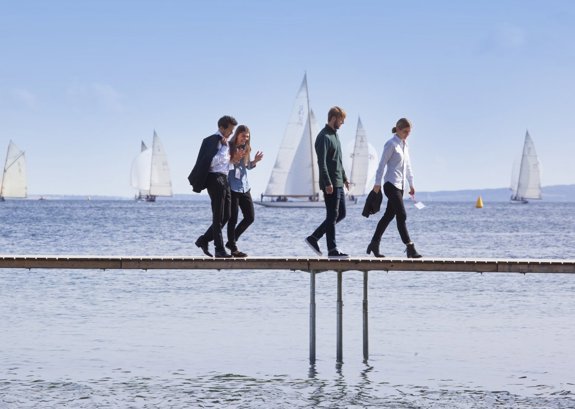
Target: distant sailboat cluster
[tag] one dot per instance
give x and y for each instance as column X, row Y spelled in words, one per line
column 150, row 172
column 294, row 180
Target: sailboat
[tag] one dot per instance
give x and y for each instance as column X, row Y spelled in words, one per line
column 363, row 164
column 14, row 183
column 528, row 181
column 151, row 173
column 294, row 178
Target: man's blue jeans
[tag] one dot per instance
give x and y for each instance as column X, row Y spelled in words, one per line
column 335, row 212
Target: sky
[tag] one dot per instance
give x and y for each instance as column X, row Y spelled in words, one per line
column 82, row 83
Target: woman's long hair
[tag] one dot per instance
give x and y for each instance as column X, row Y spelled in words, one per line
column 241, row 129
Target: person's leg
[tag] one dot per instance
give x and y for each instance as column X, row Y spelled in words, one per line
column 232, row 222
column 220, row 209
column 320, row 231
column 214, row 189
column 332, row 203
column 246, row 205
column 401, row 217
column 342, row 211
column 391, row 192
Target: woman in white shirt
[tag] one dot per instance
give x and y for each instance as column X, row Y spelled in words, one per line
column 395, row 158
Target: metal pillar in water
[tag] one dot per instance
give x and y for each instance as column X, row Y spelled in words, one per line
column 339, row 344
column 365, row 320
column 312, row 317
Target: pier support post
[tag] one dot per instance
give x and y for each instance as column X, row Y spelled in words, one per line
column 312, row 317
column 365, row 320
column 339, row 343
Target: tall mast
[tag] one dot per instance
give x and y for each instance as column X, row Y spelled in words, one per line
column 521, row 166
column 311, row 150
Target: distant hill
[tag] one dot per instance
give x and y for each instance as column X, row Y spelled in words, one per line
column 557, row 193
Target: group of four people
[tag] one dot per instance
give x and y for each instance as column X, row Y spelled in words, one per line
column 221, row 168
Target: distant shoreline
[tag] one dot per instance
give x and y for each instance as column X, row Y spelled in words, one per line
column 555, row 193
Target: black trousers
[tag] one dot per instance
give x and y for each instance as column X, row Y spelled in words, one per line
column 220, row 196
column 240, row 201
column 395, row 208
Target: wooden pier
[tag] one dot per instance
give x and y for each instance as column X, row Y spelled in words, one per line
column 318, row 264
column 313, row 266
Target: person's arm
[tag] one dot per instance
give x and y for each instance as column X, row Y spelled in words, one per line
column 385, row 156
column 201, row 167
column 321, row 148
column 409, row 172
column 345, row 180
column 257, row 158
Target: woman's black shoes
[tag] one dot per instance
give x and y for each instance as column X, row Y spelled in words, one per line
column 374, row 248
column 411, row 251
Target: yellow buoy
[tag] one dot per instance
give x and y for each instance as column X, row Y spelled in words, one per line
column 479, row 203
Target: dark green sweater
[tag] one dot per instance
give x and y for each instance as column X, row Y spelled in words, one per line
column 328, row 150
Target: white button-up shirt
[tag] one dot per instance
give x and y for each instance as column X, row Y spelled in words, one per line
column 221, row 160
column 396, row 157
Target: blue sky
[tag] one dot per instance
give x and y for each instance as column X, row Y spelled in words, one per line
column 83, row 82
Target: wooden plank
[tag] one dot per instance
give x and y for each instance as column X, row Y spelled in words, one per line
column 287, row 263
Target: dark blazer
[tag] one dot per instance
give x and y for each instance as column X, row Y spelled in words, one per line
column 372, row 203
column 199, row 173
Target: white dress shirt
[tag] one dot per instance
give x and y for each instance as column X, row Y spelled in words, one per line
column 396, row 157
column 221, row 160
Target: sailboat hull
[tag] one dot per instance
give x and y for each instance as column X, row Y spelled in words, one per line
column 292, row 204
column 302, row 204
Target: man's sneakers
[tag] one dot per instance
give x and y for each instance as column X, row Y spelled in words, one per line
column 335, row 253
column 312, row 243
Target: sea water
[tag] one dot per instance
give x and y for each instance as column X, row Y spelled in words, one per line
column 239, row 339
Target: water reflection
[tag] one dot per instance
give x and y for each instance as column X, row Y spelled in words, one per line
column 233, row 390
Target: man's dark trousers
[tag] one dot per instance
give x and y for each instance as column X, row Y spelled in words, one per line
column 220, row 196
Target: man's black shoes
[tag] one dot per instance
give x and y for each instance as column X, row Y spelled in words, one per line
column 223, row 254
column 204, row 246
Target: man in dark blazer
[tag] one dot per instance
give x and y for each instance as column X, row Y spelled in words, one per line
column 211, row 172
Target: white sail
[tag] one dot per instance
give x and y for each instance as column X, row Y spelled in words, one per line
column 528, row 184
column 14, row 182
column 363, row 162
column 140, row 176
column 150, row 172
column 295, row 172
column 160, row 182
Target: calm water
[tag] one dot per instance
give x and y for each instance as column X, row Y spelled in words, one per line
column 175, row 339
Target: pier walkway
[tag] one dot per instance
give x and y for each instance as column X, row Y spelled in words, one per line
column 318, row 264
column 313, row 266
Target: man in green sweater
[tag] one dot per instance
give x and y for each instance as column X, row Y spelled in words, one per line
column 332, row 179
